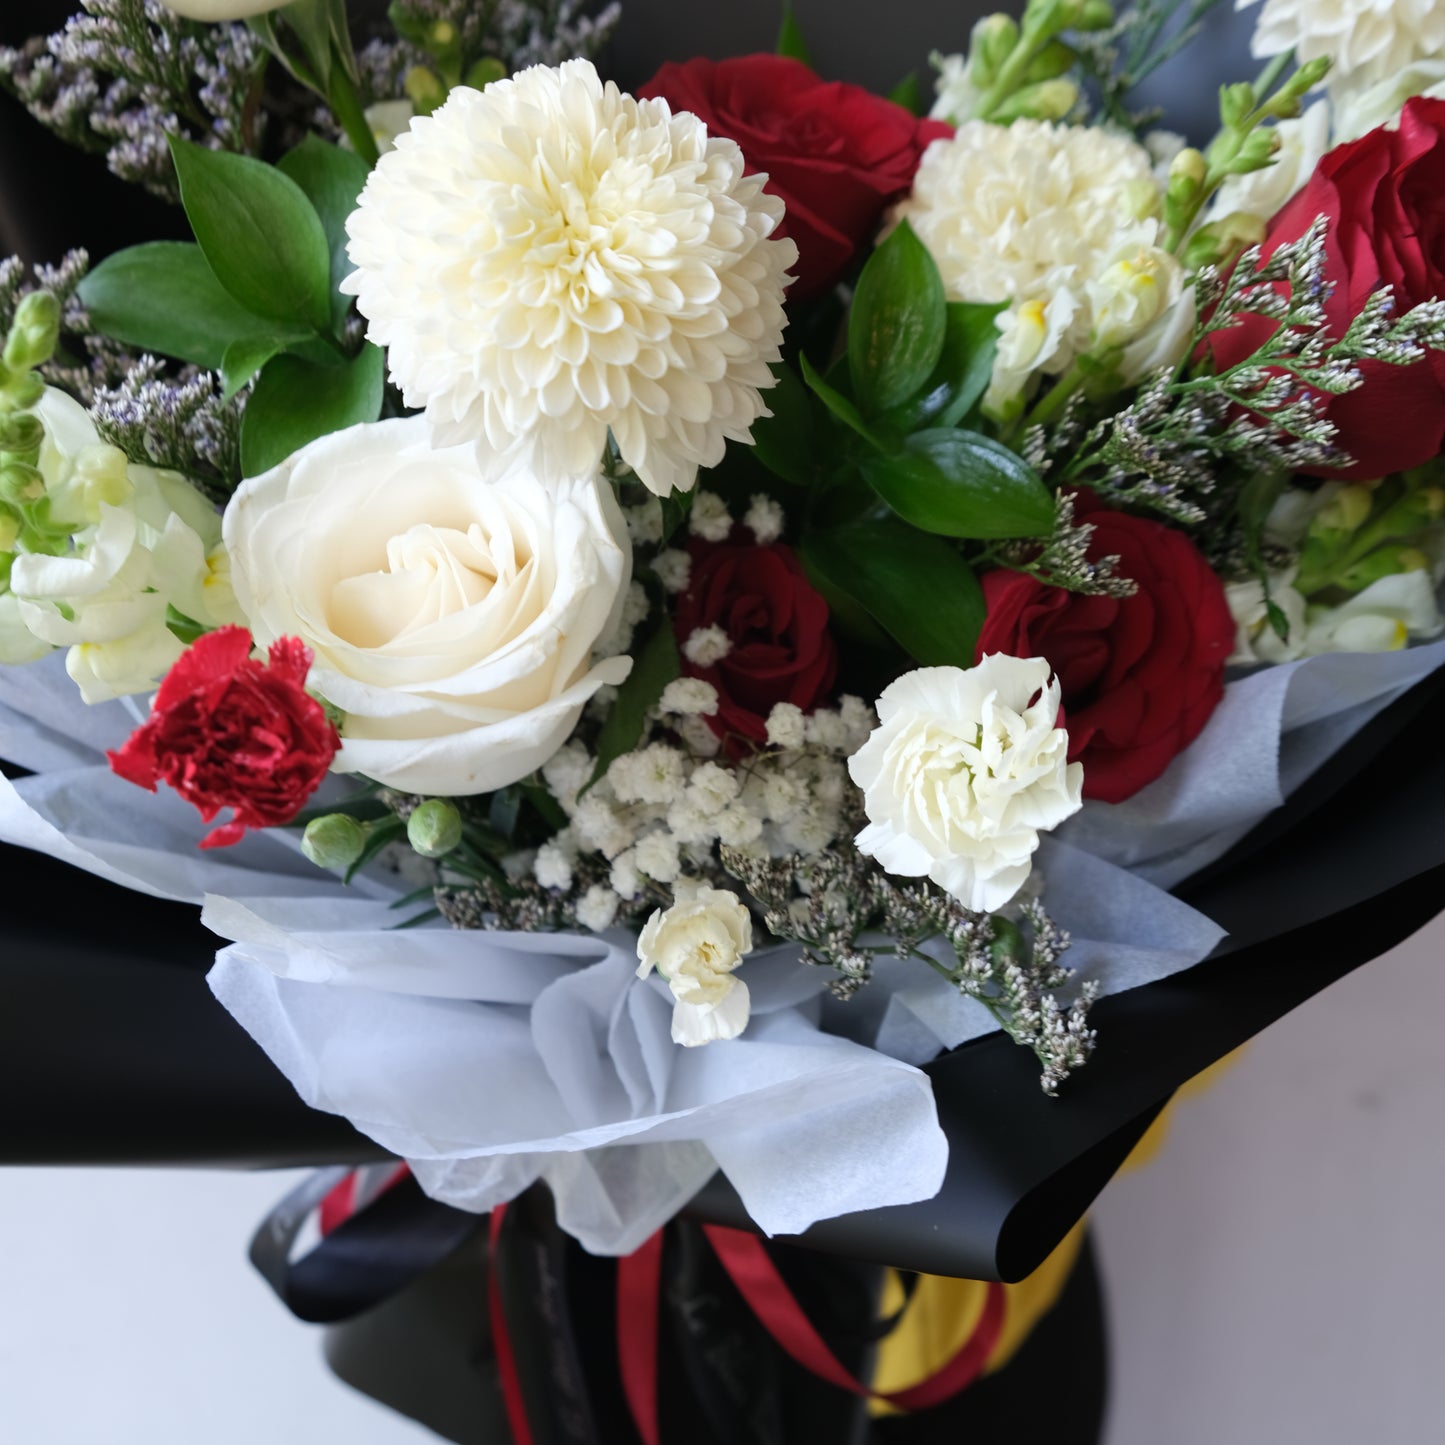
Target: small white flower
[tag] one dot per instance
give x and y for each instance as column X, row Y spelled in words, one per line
column 811, row 830
column 552, row 867
column 711, row 788
column 696, row 945
column 738, row 827
column 963, row 771
column 673, row 568
column 958, row 96
column 657, row 856
column 599, row 825
column 624, row 876
column 653, row 774
column 765, row 519
column 597, row 908
column 690, row 823
column 783, row 796
column 688, row 697
column 549, row 258
column 858, row 720
column 709, row 517
column 826, row 729
column 701, row 740
column 566, row 772
column 707, row 646
column 1367, row 40
column 786, row 726
column 644, row 522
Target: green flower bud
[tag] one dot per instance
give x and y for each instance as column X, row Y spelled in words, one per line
column 1186, row 173
column 442, row 37
column 1347, row 511
column 334, row 841
column 1236, row 104
column 1008, row 944
column 20, row 431
column 425, row 88
column 484, row 72
column 34, row 331
column 1094, row 15
column 20, row 391
column 1220, row 241
column 1048, row 100
column 1383, row 562
column 1310, row 74
column 1053, row 60
column 992, row 42
column 10, row 525
column 21, row 483
column 434, row 828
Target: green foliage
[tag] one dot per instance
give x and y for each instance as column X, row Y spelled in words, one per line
column 297, row 401
column 655, row 664
column 790, row 38
column 331, row 179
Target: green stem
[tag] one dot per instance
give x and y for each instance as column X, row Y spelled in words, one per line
column 1011, row 73
column 345, row 105
column 1052, row 403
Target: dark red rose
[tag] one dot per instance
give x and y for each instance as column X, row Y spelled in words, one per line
column 229, row 732
column 1384, row 195
column 1139, row 675
column 781, row 650
column 834, row 154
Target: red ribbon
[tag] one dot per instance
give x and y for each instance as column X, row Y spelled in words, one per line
column 502, row 1341
column 639, row 1292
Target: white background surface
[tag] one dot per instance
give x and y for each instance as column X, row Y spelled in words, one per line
column 1277, row 1274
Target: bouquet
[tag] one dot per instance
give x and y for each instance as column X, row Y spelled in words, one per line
column 651, row 621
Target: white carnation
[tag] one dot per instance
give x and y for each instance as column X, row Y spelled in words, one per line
column 696, row 945
column 1367, row 40
column 549, row 258
column 963, row 771
column 1057, row 220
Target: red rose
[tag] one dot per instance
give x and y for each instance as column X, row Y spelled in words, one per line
column 1381, row 194
column 228, row 732
column 777, row 625
column 1139, row 675
column 834, row 154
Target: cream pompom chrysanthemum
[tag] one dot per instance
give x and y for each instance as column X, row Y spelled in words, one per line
column 550, row 257
column 1366, row 40
column 1057, row 220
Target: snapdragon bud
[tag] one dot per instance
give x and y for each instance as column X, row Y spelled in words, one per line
column 34, row 331
column 1346, row 511
column 425, row 89
column 1383, row 562
column 335, row 841
column 1236, row 104
column 20, row 431
column 1048, row 100
column 1221, row 240
column 484, row 72
column 1053, row 60
column 21, row 390
column 992, row 42
column 434, row 828
column 10, row 525
column 21, row 484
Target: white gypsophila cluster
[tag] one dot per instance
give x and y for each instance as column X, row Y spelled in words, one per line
column 142, row 540
column 956, row 96
column 1059, row 221
column 963, row 772
column 1365, row 40
column 662, row 809
column 1263, row 193
column 550, row 258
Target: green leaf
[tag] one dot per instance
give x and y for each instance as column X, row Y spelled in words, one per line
column 790, row 37
column 653, row 667
column 243, row 359
column 963, row 373
column 898, row 322
column 260, row 234
column 379, row 835
column 783, row 442
column 164, row 297
column 961, row 484
column 332, row 179
column 917, row 587
column 297, row 401
column 908, row 93
column 184, row 629
column 844, row 409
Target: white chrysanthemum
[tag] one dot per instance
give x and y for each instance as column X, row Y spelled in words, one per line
column 1367, row 40
column 1057, row 220
column 963, row 772
column 549, row 258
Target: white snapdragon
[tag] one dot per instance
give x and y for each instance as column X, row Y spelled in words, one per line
column 697, row 945
column 957, row 97
column 786, row 727
column 709, row 517
column 1382, row 617
column 964, row 770
column 688, row 697
column 1255, row 640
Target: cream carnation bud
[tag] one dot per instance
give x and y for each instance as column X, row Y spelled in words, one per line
column 963, row 771
column 550, row 258
column 696, row 945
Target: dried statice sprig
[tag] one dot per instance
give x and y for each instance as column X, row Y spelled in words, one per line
column 836, row 904
column 127, row 74
column 1265, row 414
column 1063, row 560
column 181, row 422
column 84, row 362
column 518, row 33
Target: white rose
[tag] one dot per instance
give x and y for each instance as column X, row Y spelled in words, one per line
column 963, row 771
column 453, row 612
column 1263, row 193
column 695, row 945
column 213, row 10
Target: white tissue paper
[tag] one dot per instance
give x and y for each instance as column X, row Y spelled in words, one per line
column 490, row 1060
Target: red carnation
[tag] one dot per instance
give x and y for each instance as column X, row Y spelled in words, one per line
column 776, row 625
column 1381, row 195
column 226, row 731
column 834, row 154
column 1139, row 675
